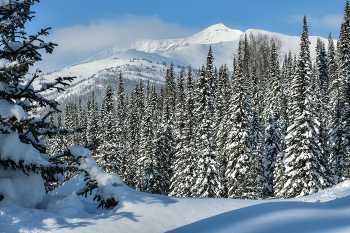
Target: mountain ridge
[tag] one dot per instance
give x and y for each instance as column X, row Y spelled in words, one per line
column 149, row 59
column 214, row 34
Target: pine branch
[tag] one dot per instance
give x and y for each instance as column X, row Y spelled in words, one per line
column 59, row 80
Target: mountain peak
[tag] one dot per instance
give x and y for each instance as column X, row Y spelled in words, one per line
column 216, row 34
column 217, row 27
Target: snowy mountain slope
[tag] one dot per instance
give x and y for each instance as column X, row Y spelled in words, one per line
column 215, row 34
column 146, row 59
column 96, row 75
column 190, row 50
column 326, row 211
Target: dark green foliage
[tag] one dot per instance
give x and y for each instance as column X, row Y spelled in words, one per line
column 332, row 63
column 271, row 153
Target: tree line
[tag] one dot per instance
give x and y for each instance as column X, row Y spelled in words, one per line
column 267, row 130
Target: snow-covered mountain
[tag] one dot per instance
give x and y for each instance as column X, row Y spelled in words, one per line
column 215, row 34
column 149, row 59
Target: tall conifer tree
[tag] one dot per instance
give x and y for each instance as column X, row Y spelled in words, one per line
column 238, row 145
column 208, row 181
column 304, row 171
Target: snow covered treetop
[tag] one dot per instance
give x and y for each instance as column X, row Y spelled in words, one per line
column 7, row 3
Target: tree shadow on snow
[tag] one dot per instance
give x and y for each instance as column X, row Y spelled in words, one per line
column 129, row 195
column 278, row 217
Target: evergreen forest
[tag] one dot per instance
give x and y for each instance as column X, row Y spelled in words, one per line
column 267, row 129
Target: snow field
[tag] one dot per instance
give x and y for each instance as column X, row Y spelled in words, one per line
column 64, row 211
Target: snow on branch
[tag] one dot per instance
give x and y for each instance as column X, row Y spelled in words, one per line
column 105, row 183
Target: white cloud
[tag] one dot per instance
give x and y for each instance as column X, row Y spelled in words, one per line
column 332, row 21
column 80, row 42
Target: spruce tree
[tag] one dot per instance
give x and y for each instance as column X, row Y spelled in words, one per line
column 337, row 145
column 320, row 94
column 238, row 145
column 304, row 171
column 166, row 136
column 120, row 126
column 92, row 130
column 344, row 50
column 170, row 89
column 147, row 159
column 165, row 149
column 332, row 67
column 208, row 182
column 132, row 142
column 21, row 130
column 258, row 170
column 57, row 145
column 69, row 122
column 271, row 153
column 273, row 97
column 50, row 148
column 108, row 152
column 186, row 156
column 180, row 107
column 346, row 122
column 223, row 93
column 322, row 66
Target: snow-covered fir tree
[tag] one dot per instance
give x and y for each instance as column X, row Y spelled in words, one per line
column 50, row 147
column 170, row 90
column 273, row 96
column 223, row 92
column 304, row 173
column 108, row 152
column 120, row 127
column 322, row 66
column 21, row 130
column 180, row 107
column 257, row 136
column 55, row 142
column 186, row 156
column 132, row 141
column 165, row 149
column 208, row 181
column 149, row 172
column 92, row 130
column 343, row 46
column 337, row 145
column 271, row 153
column 69, row 122
column 332, row 68
column 238, row 144
column 346, row 120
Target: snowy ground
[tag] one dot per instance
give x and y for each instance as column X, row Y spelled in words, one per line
column 326, row 211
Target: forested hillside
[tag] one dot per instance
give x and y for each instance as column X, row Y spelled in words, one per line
column 269, row 129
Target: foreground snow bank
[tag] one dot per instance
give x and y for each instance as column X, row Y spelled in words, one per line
column 326, row 211
column 16, row 187
column 340, row 190
column 19, row 189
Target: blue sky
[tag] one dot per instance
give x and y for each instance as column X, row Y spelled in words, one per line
column 85, row 27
